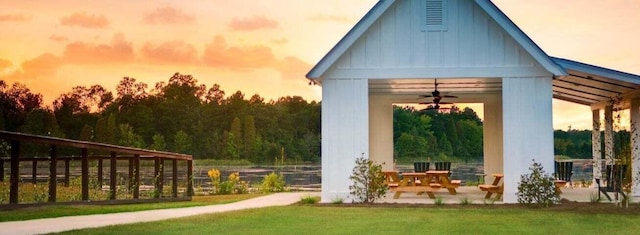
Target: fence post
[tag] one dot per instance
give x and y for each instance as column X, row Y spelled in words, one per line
column 15, row 172
column 136, row 175
column 1, row 170
column 189, row 178
column 113, row 175
column 85, row 175
column 66, row 172
column 100, row 172
column 174, row 183
column 34, row 170
column 130, row 181
column 158, row 174
column 53, row 173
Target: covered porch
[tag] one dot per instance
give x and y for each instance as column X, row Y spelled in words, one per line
column 396, row 52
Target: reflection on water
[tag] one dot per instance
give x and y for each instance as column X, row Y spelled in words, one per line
column 309, row 176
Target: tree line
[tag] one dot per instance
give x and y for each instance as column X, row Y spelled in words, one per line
column 180, row 115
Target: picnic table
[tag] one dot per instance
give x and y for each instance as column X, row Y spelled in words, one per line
column 495, row 187
column 425, row 182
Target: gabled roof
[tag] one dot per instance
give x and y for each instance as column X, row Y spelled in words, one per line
column 351, row 37
column 383, row 5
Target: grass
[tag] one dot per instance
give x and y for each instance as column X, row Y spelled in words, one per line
column 65, row 210
column 384, row 220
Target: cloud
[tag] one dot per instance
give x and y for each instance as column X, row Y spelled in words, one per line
column 5, row 64
column 292, row 68
column 331, row 18
column 218, row 54
column 44, row 65
column 171, row 52
column 82, row 19
column 58, row 38
column 14, row 18
column 255, row 23
column 168, row 15
column 119, row 51
column 280, row 41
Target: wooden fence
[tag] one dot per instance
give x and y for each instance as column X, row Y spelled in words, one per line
column 132, row 155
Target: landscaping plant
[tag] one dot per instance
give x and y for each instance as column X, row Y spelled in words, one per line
column 273, row 182
column 368, row 181
column 537, row 188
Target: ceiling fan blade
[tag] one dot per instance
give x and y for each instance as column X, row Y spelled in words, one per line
column 425, row 96
column 449, row 96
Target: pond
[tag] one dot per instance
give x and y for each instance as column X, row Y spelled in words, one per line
column 308, row 177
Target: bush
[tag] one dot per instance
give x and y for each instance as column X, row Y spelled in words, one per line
column 537, row 188
column 273, row 182
column 233, row 185
column 368, row 181
column 309, row 200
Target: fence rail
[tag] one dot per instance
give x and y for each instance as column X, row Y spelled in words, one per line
column 132, row 155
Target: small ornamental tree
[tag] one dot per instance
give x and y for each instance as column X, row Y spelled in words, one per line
column 537, row 188
column 368, row 181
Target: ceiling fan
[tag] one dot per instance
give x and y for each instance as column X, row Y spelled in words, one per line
column 437, row 98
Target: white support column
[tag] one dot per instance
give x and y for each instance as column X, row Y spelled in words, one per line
column 596, row 143
column 381, row 131
column 634, row 112
column 527, row 127
column 492, row 131
column 608, row 135
column 345, row 133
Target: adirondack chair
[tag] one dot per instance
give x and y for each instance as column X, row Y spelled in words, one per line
column 420, row 166
column 444, row 166
column 614, row 176
column 563, row 173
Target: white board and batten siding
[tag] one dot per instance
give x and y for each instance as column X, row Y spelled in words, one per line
column 345, row 133
column 398, row 46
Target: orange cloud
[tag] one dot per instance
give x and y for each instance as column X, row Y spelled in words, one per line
column 14, row 18
column 331, row 18
column 58, row 38
column 171, row 52
column 168, row 15
column 280, row 41
column 119, row 51
column 218, row 54
column 85, row 20
column 44, row 65
column 255, row 23
column 292, row 68
column 5, row 64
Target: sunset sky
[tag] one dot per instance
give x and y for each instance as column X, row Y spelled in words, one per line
column 262, row 46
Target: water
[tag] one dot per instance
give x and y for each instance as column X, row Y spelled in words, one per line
column 302, row 177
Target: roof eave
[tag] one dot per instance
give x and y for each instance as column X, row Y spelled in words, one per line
column 523, row 40
column 349, row 39
column 597, row 70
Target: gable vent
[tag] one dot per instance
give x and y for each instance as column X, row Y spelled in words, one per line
column 434, row 15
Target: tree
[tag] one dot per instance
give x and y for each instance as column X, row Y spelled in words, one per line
column 87, row 133
column 129, row 138
column 182, row 142
column 158, row 143
column 250, row 139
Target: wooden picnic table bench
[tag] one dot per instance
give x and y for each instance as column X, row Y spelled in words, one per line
column 495, row 187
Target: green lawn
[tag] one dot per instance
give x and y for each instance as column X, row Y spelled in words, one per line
column 380, row 220
column 61, row 210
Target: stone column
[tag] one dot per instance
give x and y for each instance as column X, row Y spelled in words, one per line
column 596, row 143
column 634, row 112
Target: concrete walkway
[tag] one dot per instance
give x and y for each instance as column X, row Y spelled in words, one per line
column 51, row 225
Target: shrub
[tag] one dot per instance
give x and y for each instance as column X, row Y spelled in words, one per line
column 214, row 175
column 537, row 188
column 337, row 200
column 368, row 181
column 309, row 200
column 233, row 185
column 273, row 182
column 466, row 201
column 439, row 201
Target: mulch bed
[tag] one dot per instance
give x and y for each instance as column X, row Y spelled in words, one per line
column 563, row 206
